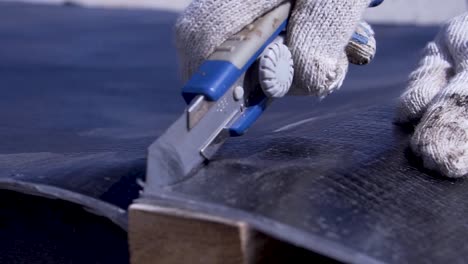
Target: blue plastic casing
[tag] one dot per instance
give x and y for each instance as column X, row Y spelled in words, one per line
column 248, row 118
column 214, row 78
column 375, row 3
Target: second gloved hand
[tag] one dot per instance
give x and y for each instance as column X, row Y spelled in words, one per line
column 318, row 33
column 437, row 100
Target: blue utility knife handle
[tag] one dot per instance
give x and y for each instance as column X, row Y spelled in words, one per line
column 229, row 61
column 249, row 117
column 235, row 56
column 375, row 3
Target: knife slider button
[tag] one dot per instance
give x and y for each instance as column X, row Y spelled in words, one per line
column 237, row 38
column 225, row 49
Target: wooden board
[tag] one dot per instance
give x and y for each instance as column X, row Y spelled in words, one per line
column 164, row 234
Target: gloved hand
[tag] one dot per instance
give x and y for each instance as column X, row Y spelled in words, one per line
column 437, row 98
column 318, row 33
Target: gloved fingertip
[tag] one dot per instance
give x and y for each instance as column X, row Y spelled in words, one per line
column 362, row 47
column 441, row 140
column 407, row 110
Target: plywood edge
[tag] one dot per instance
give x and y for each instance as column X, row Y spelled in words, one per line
column 159, row 234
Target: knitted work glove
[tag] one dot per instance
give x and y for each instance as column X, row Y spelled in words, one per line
column 318, row 33
column 437, row 98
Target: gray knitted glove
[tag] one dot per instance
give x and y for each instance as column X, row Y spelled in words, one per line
column 437, row 98
column 318, row 33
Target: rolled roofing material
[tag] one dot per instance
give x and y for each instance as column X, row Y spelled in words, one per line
column 86, row 91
